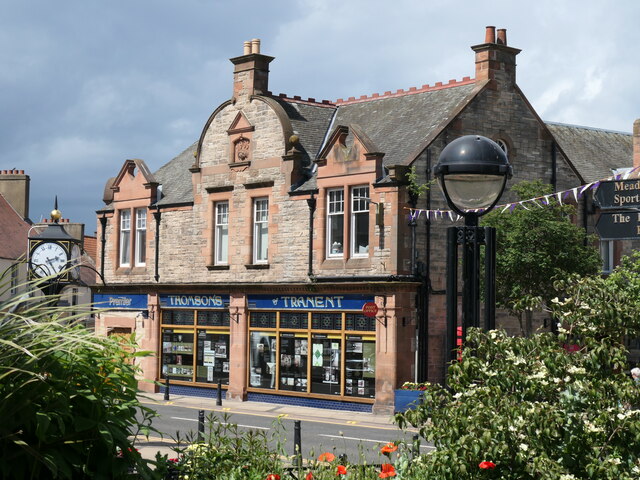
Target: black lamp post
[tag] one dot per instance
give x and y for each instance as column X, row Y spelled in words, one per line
column 472, row 172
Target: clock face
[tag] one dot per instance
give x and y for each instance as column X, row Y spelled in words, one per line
column 48, row 258
column 75, row 261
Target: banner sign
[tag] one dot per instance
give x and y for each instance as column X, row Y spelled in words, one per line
column 618, row 194
column 194, row 301
column 308, row 302
column 618, row 226
column 120, row 302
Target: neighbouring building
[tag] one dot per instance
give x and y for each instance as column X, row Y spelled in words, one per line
column 15, row 229
column 276, row 254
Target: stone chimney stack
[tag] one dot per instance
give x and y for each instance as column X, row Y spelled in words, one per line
column 636, row 143
column 251, row 72
column 14, row 186
column 495, row 61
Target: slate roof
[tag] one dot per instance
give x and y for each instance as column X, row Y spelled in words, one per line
column 310, row 122
column 14, row 231
column 175, row 179
column 398, row 125
column 593, row 152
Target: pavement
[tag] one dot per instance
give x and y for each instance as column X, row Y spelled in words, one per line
column 148, row 447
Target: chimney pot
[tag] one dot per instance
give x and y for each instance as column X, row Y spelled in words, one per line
column 255, row 45
column 490, row 35
column 502, row 36
column 247, row 48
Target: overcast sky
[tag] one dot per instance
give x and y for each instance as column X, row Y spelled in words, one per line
column 87, row 84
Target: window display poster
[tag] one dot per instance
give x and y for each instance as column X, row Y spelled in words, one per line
column 369, row 359
column 317, row 355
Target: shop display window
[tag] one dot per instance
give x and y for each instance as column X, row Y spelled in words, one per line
column 293, row 362
column 360, row 367
column 213, row 318
column 325, row 364
column 262, row 370
column 326, row 321
column 177, row 354
column 357, row 321
column 263, row 319
column 212, row 357
column 177, row 317
column 294, row 320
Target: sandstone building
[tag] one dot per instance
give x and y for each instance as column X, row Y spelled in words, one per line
column 253, row 257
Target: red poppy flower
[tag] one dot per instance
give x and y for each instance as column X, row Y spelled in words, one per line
column 273, row 476
column 309, row 476
column 387, row 471
column 342, row 470
column 326, row 457
column 388, row 448
column 487, row 465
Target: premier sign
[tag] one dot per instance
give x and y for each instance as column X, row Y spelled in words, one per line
column 618, row 194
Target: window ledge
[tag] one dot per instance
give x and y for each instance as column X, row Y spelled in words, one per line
column 257, row 266
column 217, row 267
column 359, row 262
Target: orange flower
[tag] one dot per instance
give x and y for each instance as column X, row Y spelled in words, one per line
column 487, row 465
column 388, row 448
column 387, row 471
column 273, row 476
column 309, row 476
column 342, row 470
column 327, row 457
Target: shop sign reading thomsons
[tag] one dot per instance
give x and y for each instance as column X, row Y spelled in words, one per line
column 618, row 194
column 194, row 301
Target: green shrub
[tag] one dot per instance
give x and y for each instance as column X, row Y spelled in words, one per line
column 544, row 407
column 68, row 399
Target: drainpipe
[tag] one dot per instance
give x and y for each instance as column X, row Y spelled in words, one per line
column 157, row 215
column 554, row 166
column 312, row 208
column 103, row 240
column 423, row 338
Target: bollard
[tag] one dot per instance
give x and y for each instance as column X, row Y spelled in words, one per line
column 166, row 390
column 297, row 444
column 219, row 400
column 415, row 451
column 200, row 425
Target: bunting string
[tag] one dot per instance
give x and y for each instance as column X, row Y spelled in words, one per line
column 545, row 200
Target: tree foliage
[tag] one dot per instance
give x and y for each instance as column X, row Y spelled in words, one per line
column 68, row 399
column 545, row 406
column 535, row 246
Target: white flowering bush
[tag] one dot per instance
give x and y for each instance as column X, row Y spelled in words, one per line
column 543, row 407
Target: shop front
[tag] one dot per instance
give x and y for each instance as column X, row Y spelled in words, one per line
column 320, row 346
column 194, row 333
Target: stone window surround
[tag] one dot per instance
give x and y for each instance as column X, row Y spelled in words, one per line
column 347, row 259
column 131, row 266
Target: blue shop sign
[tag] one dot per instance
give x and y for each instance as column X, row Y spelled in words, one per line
column 309, row 302
column 120, row 302
column 194, row 301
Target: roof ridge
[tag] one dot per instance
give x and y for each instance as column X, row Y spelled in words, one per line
column 411, row 91
column 588, row 128
column 297, row 98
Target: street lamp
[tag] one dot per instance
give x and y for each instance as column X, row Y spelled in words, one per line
column 472, row 172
